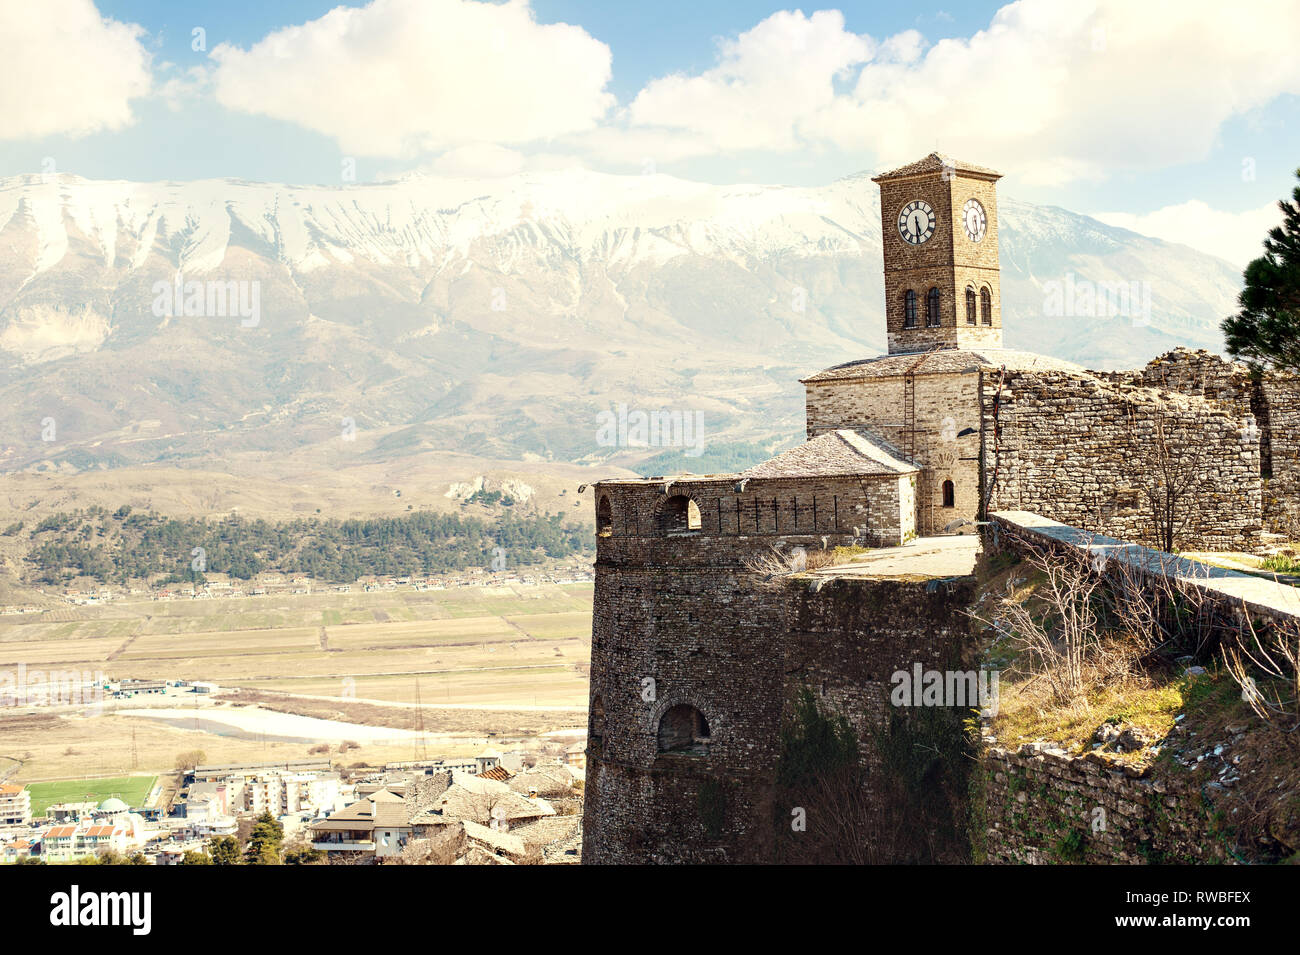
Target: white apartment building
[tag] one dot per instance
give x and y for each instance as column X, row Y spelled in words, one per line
column 15, row 805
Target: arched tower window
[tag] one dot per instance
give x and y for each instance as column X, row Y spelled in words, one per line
column 932, row 309
column 986, row 306
column 949, row 495
column 679, row 515
column 909, row 309
column 970, row 305
column 604, row 517
column 683, row 729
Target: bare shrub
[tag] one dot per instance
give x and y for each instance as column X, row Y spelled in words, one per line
column 1276, row 657
column 1056, row 639
column 773, row 565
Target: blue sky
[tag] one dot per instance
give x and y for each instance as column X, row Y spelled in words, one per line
column 1166, row 118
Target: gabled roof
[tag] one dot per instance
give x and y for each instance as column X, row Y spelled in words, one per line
column 937, row 162
column 835, row 453
column 368, row 813
column 494, row 838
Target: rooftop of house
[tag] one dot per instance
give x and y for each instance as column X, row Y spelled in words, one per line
column 834, row 453
column 366, row 814
column 944, row 361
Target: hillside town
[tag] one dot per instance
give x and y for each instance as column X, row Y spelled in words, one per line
column 494, row 809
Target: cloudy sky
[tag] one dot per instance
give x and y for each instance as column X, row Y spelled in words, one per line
column 1177, row 118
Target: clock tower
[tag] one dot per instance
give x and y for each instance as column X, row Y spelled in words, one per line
column 939, row 225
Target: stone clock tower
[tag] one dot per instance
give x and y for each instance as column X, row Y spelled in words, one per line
column 939, row 223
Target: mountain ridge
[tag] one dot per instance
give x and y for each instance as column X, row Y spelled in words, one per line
column 494, row 317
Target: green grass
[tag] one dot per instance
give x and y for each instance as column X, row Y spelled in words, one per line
column 1281, row 564
column 132, row 790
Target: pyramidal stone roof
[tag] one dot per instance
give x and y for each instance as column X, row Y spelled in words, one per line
column 835, row 453
column 947, row 361
column 937, row 162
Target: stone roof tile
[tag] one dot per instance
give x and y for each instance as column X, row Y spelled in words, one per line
column 844, row 452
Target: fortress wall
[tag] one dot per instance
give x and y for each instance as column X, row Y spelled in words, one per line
column 1199, row 374
column 739, row 653
column 1280, row 411
column 1080, row 450
column 1041, row 806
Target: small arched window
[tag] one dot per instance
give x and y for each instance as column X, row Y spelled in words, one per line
column 970, row 306
column 909, row 309
column 949, row 495
column 597, row 718
column 680, row 515
column 683, row 729
column 932, row 309
column 986, row 307
column 604, row 517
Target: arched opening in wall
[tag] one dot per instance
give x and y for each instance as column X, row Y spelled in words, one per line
column 970, row 306
column 986, row 306
column 604, row 517
column 909, row 309
column 597, row 719
column 932, row 309
column 679, row 515
column 949, row 495
column 683, row 729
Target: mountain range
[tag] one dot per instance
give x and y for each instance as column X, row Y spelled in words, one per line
column 496, row 318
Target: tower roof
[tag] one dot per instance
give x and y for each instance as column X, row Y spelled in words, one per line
column 937, row 162
column 945, row 361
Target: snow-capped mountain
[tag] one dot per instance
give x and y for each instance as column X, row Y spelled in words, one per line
column 163, row 321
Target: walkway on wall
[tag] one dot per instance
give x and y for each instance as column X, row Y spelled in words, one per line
column 950, row 556
column 1258, row 594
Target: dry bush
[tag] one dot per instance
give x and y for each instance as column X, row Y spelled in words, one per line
column 1276, row 656
column 441, row 847
column 1055, row 638
column 772, row 566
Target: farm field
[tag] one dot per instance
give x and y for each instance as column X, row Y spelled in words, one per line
column 482, row 661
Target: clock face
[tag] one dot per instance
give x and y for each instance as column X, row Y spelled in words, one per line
column 976, row 221
column 916, row 222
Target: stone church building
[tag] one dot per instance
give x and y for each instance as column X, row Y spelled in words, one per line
column 691, row 663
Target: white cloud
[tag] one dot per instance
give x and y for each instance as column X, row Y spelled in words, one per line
column 766, row 82
column 64, row 69
column 399, row 77
column 1051, row 91
column 1237, row 237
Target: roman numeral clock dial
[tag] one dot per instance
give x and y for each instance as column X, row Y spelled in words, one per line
column 916, row 222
